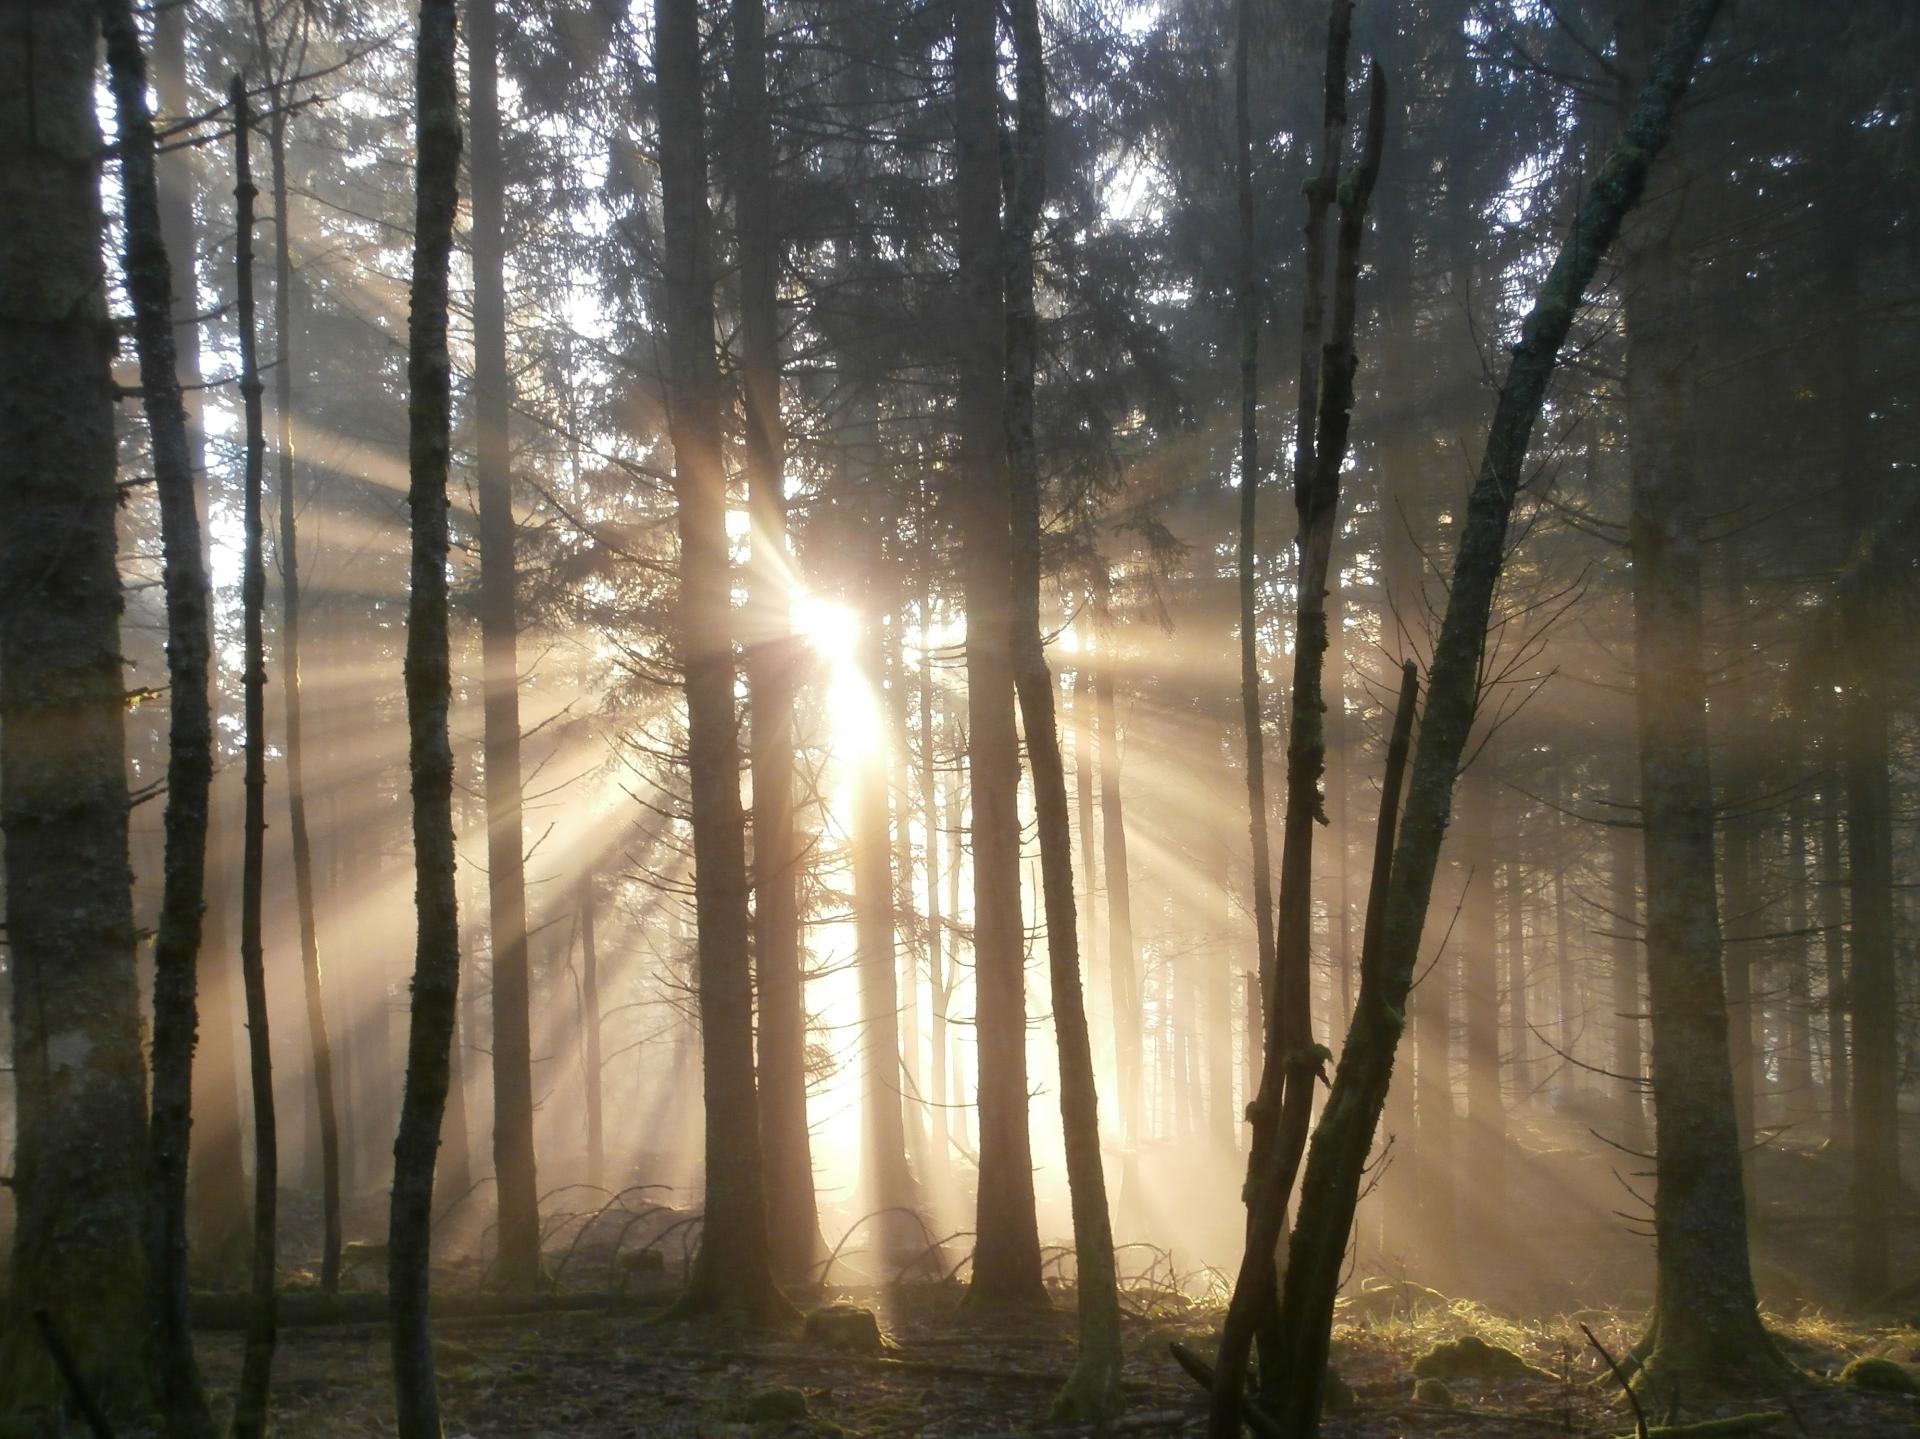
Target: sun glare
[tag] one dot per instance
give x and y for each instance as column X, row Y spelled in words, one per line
column 831, row 629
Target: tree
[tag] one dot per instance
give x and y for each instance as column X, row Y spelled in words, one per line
column 256, row 1368
column 78, row 1073
column 190, row 740
column 436, row 963
column 1705, row 1317
column 732, row 1273
column 1092, row 1391
column 1006, row 1259
column 319, row 1041
column 513, row 1158
column 1343, row 1137
column 771, row 662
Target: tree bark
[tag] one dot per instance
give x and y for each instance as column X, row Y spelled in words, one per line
column 732, row 1273
column 590, row 1023
column 319, row 1042
column 1485, row 1145
column 1006, row 1259
column 78, row 1072
column 1626, row 950
column 792, row 1210
column 1123, row 964
column 1091, row 1394
column 436, row 965
column 1704, row 1317
column 513, row 1157
column 176, row 948
column 256, row 1368
column 1344, row 1135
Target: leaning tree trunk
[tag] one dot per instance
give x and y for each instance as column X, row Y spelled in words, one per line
column 1344, row 1137
column 436, row 962
column 1091, row 1394
column 79, row 1089
column 1006, row 1259
column 732, row 1273
column 176, row 945
column 793, row 1217
column 256, row 1368
column 319, row 1042
column 513, row 1159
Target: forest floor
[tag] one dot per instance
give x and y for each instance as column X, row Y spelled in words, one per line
column 620, row 1372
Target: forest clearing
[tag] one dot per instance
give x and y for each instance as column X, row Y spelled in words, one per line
column 959, row 718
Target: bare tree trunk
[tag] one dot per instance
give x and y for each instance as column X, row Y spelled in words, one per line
column 792, row 1211
column 78, row 1074
column 733, row 1273
column 1123, row 964
column 1344, row 1136
column 939, row 1164
column 1480, row 985
column 1704, row 1308
column 1626, row 949
column 1519, row 1034
column 176, row 948
column 590, row 1022
column 513, row 1156
column 436, row 965
column 216, row 1180
column 1247, row 306
column 1006, row 1261
column 1833, row 952
column 256, row 1370
column 1092, row 1392
column 320, row 1047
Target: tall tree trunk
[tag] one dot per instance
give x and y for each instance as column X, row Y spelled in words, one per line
column 792, row 1210
column 1092, row 1392
column 1247, row 316
column 319, row 1042
column 78, row 1073
column 176, row 947
column 1344, row 1136
column 590, row 1023
column 256, row 1369
column 937, row 981
column 436, row 963
column 732, row 1273
column 1626, row 950
column 216, row 1178
column 1833, row 953
column 1480, row 985
column 1796, row 1059
column 1519, row 1034
column 1704, row 1308
column 886, row 1183
column 513, row 1159
column 1006, row 1259
column 1123, row 964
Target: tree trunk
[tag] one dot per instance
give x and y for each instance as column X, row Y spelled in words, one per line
column 1006, row 1260
column 732, row 1274
column 1486, row 1135
column 1123, row 964
column 78, row 1080
column 590, row 1023
column 1519, row 1033
column 1626, row 949
column 939, row 1165
column 436, row 964
column 1282, row 1110
column 1704, row 1308
column 1091, row 1394
column 1344, row 1137
column 1833, row 952
column 513, row 1158
column 319, row 1043
column 1247, row 306
column 176, row 947
column 256, row 1370
column 792, row 1212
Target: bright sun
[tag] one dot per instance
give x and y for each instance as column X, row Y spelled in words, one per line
column 831, row 629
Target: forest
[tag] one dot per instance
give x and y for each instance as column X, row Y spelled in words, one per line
column 932, row 718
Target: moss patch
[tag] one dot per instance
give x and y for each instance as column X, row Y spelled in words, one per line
column 1471, row 1357
column 1434, row 1392
column 1881, row 1374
